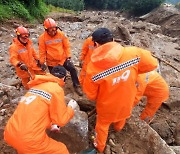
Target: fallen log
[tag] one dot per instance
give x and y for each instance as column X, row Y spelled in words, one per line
column 166, row 62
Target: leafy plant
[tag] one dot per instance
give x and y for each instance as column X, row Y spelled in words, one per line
column 5, row 12
column 19, row 10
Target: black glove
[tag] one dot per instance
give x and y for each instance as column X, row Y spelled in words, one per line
column 38, row 63
column 23, row 67
column 81, row 64
column 43, row 67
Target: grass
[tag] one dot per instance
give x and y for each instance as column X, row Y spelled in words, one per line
column 58, row 9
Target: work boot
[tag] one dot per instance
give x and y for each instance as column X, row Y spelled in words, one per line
column 78, row 90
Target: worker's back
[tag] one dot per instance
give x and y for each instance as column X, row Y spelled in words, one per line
column 113, row 70
column 36, row 111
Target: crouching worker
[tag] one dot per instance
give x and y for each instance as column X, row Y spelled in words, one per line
column 23, row 56
column 155, row 88
column 42, row 106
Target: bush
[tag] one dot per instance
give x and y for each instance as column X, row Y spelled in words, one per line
column 19, row 10
column 5, row 12
column 37, row 9
column 24, row 9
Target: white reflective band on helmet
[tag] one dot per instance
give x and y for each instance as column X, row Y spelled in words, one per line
column 115, row 69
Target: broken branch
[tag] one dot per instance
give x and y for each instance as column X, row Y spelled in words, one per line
column 166, row 62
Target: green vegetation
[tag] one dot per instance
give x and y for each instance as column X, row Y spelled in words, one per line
column 24, row 9
column 58, row 9
column 136, row 7
column 5, row 12
column 177, row 5
column 141, row 7
column 76, row 5
column 36, row 9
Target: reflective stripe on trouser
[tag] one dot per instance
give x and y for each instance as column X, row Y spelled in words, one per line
column 101, row 129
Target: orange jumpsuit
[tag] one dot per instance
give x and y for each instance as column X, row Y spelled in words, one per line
column 26, row 54
column 42, row 105
column 54, row 50
column 155, row 88
column 85, row 56
column 111, row 81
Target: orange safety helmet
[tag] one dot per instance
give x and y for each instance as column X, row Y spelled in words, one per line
column 49, row 22
column 21, row 30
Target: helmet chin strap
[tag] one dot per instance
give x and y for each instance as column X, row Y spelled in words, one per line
column 18, row 37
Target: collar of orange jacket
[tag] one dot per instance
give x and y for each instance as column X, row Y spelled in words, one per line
column 48, row 36
column 107, row 55
column 38, row 79
column 16, row 41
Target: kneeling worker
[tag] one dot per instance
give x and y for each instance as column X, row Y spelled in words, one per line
column 42, row 106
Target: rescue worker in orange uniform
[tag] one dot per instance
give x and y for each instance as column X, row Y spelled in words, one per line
column 54, row 49
column 85, row 56
column 111, row 81
column 42, row 106
column 24, row 57
column 155, row 88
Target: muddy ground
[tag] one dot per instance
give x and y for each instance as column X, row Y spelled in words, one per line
column 162, row 40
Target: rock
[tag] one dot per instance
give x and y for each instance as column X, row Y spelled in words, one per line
column 1, row 119
column 107, row 150
column 124, row 34
column 177, row 134
column 1, row 59
column 176, row 149
column 140, row 138
column 2, row 112
column 3, row 29
column 111, row 142
column 168, row 18
column 139, row 25
column 75, row 134
column 177, row 48
column 5, row 99
column 84, row 35
column 14, row 82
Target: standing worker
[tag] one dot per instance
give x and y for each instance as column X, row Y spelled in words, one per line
column 155, row 88
column 24, row 57
column 85, row 57
column 41, row 107
column 111, row 82
column 54, row 49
